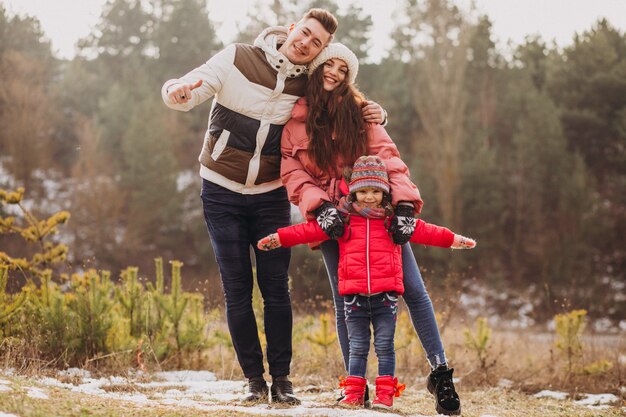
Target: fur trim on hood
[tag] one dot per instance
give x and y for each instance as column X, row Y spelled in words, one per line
column 269, row 41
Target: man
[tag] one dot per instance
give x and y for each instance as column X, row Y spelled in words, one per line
column 255, row 88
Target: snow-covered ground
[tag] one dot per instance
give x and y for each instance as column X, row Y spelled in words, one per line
column 192, row 389
column 201, row 390
column 588, row 400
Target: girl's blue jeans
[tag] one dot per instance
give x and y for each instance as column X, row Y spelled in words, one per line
column 381, row 311
column 415, row 297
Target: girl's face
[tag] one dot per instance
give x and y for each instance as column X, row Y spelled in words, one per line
column 369, row 197
column 335, row 72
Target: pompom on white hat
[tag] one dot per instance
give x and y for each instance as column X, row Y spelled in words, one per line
column 337, row 50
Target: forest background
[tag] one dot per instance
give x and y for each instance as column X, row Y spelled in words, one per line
column 523, row 150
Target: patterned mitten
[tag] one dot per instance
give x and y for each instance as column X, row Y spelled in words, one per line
column 402, row 224
column 269, row 242
column 329, row 219
column 462, row 242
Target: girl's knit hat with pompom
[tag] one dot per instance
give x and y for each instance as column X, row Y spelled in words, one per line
column 369, row 171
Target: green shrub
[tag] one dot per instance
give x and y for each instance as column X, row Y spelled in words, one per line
column 569, row 328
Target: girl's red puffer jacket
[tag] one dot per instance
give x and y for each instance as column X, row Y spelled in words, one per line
column 369, row 261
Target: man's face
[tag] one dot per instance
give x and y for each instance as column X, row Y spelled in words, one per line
column 305, row 41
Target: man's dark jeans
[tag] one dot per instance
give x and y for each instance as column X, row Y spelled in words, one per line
column 236, row 222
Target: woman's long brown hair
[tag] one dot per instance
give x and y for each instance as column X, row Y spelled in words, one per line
column 335, row 114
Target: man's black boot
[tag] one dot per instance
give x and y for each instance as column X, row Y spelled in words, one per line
column 440, row 384
column 282, row 391
column 257, row 388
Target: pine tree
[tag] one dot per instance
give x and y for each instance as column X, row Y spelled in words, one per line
column 96, row 202
column 32, row 229
column 185, row 38
column 93, row 303
column 174, row 304
column 325, row 336
column 130, row 295
column 437, row 73
column 149, row 180
column 27, row 113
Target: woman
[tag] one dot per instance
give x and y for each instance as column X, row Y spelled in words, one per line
column 326, row 133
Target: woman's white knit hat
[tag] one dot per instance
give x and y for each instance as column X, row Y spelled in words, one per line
column 337, row 50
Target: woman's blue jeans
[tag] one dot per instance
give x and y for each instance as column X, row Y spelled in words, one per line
column 415, row 297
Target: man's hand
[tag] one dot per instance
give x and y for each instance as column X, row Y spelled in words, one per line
column 402, row 224
column 373, row 112
column 182, row 94
column 462, row 242
column 330, row 221
column 269, row 242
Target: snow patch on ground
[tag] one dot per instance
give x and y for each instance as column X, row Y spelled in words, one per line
column 595, row 401
column 552, row 394
column 37, row 393
column 598, row 400
column 51, row 382
column 7, row 415
column 3, row 386
column 186, row 376
column 505, row 383
column 75, row 372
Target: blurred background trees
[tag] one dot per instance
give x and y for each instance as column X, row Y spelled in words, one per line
column 522, row 150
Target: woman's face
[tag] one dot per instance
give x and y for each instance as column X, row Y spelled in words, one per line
column 369, row 197
column 335, row 72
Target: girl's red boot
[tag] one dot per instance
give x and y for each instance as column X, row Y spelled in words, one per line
column 387, row 387
column 354, row 391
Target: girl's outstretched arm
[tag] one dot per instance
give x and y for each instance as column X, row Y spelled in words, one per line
column 433, row 235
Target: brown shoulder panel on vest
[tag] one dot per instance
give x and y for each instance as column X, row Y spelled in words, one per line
column 251, row 62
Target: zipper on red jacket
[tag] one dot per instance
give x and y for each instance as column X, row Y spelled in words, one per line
column 367, row 257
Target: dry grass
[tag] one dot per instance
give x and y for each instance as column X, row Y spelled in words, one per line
column 525, row 360
column 521, row 363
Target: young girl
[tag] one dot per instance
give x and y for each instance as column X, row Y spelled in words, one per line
column 370, row 273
